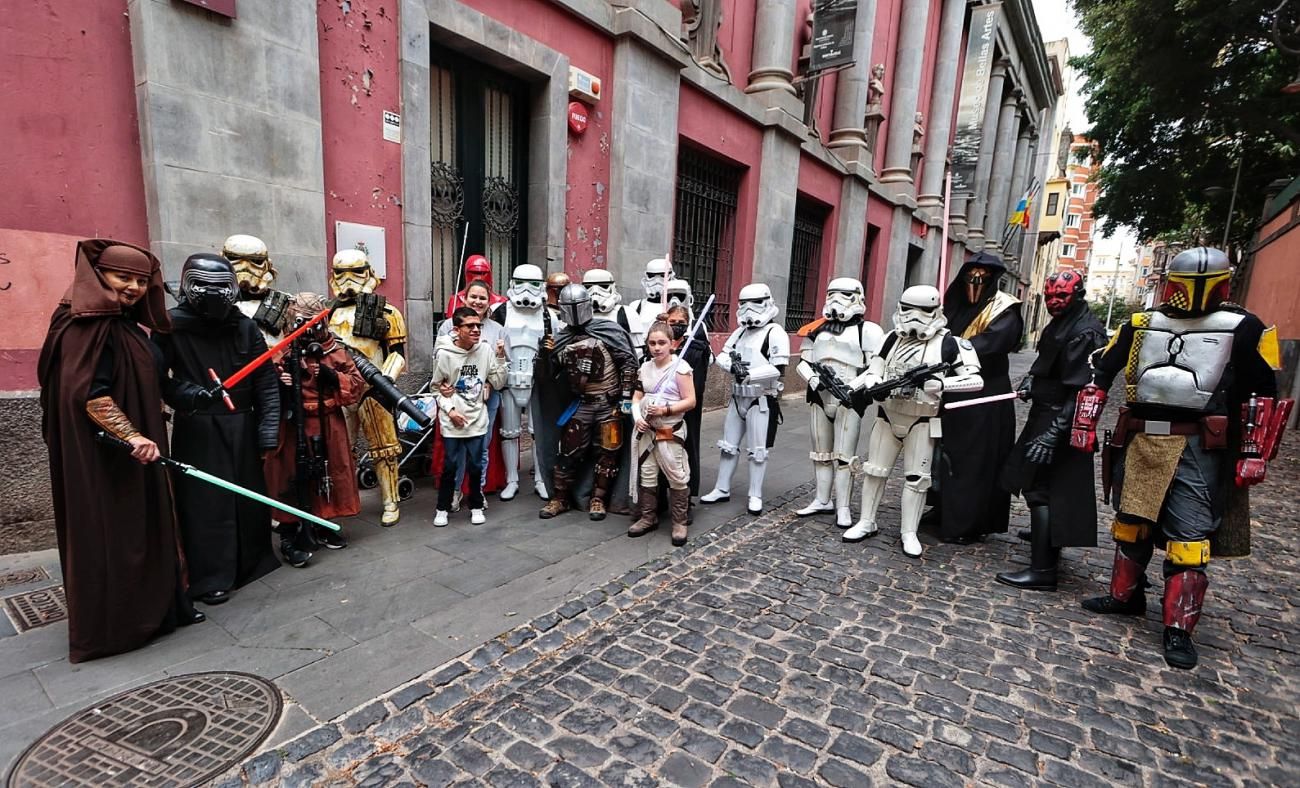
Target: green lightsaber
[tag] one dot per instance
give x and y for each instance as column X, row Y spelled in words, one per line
column 190, row 470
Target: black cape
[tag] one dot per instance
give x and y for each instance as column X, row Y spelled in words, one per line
column 1068, row 483
column 552, row 396
column 978, row 440
column 227, row 537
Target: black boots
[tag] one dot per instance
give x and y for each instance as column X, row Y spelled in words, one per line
column 1041, row 574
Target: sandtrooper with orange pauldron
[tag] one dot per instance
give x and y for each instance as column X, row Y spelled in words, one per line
column 372, row 327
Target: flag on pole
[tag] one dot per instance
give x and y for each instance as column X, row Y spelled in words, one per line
column 1020, row 216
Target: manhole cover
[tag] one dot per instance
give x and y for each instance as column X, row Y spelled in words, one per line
column 37, row 608
column 18, row 577
column 175, row 732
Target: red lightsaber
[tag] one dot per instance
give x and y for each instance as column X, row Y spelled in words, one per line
column 276, row 348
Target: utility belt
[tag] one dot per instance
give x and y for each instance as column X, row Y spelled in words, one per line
column 671, row 432
column 600, row 399
column 752, row 390
column 311, row 405
column 1212, row 429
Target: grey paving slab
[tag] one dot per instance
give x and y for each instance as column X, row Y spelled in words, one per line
column 23, row 695
column 366, row 616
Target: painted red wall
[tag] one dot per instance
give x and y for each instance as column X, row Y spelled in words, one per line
column 359, row 79
column 587, row 201
column 71, row 163
column 736, row 39
column 1274, row 289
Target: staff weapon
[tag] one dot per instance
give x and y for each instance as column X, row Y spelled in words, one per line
column 970, row 403
column 190, row 470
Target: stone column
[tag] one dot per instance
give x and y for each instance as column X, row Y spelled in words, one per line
column 906, row 91
column 995, row 215
column 1017, row 186
column 984, row 160
column 774, row 22
column 847, row 133
column 778, row 183
column 941, row 106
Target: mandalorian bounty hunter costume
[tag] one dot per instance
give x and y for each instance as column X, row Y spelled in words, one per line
column 1197, row 370
column 598, row 366
column 368, row 324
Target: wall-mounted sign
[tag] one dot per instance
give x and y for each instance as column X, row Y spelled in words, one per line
column 367, row 238
column 583, row 85
column 832, row 38
column 223, row 7
column 974, row 96
column 392, row 126
column 577, row 117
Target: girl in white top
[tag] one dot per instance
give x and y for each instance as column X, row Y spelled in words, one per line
column 665, row 392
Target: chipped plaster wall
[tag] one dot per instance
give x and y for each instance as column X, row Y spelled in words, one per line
column 359, row 79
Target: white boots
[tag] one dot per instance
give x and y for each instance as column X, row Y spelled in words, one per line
column 823, row 473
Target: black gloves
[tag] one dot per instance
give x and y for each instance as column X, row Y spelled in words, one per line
column 1042, row 449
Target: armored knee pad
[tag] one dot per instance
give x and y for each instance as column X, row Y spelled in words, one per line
column 729, row 449
column 1188, row 555
column 574, row 439
column 1130, row 533
column 919, row 482
column 758, row 455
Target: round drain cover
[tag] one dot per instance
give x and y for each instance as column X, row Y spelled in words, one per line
column 175, row 732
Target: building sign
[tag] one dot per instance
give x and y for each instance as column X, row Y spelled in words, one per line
column 392, row 126
column 974, row 95
column 832, row 39
column 223, row 7
column 367, row 238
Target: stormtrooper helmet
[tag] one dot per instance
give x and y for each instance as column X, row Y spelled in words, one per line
column 575, row 305
column 602, row 290
column 351, row 275
column 208, row 285
column 756, row 307
column 657, row 272
column 679, row 293
column 252, row 262
column 527, row 287
column 919, row 313
column 845, row 300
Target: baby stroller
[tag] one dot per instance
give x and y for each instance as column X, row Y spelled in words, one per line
column 417, row 445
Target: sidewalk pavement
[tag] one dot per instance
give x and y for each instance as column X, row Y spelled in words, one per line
column 358, row 622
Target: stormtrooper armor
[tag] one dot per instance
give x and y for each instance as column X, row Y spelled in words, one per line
column 908, row 417
column 762, row 349
column 658, row 273
column 370, row 326
column 255, row 275
column 841, row 343
column 525, row 318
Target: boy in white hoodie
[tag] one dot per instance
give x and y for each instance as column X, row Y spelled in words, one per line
column 465, row 371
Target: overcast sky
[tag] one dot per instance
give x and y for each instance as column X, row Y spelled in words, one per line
column 1056, row 19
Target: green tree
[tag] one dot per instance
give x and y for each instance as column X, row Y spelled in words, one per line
column 1178, row 92
column 1118, row 308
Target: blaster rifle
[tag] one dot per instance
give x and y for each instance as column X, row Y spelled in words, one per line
column 830, row 381
column 739, row 367
column 383, row 389
column 913, row 377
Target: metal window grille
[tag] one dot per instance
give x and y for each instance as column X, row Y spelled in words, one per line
column 448, row 188
column 704, row 230
column 805, row 265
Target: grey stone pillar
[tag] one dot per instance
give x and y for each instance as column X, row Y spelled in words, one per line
column 1016, row 189
column 847, row 132
column 851, row 229
column 941, row 104
column 900, row 239
column 906, row 91
column 778, row 183
column 984, row 160
column 995, row 216
column 641, row 175
column 774, row 22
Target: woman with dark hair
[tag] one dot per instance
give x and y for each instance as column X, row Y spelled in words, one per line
column 123, row 568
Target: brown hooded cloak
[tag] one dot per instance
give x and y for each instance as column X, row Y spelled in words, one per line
column 118, row 542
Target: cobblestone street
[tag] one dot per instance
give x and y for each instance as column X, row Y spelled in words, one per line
column 769, row 652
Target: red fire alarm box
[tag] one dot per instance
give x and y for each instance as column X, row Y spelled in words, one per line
column 577, row 117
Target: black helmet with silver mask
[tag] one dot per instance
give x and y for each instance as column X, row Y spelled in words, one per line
column 208, row 285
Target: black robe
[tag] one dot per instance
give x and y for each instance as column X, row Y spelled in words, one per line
column 1067, row 484
column 227, row 537
column 977, row 440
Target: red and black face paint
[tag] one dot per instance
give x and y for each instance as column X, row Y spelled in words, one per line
column 1061, row 290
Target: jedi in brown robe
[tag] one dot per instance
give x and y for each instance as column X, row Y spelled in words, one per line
column 119, row 547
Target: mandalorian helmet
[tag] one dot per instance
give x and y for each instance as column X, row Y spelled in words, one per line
column 575, row 305
column 1198, row 280
column 527, row 288
column 555, row 282
column 351, row 275
column 657, row 273
column 919, row 313
column 1061, row 290
column 478, row 269
column 845, row 300
column 679, row 293
column 756, row 307
column 602, row 289
column 252, row 263
column 208, row 285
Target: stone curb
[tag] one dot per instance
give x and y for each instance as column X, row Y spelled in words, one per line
column 446, row 695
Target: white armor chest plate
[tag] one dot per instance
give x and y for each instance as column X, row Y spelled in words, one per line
column 524, row 328
column 341, row 324
column 841, row 352
column 1179, row 362
column 907, row 354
